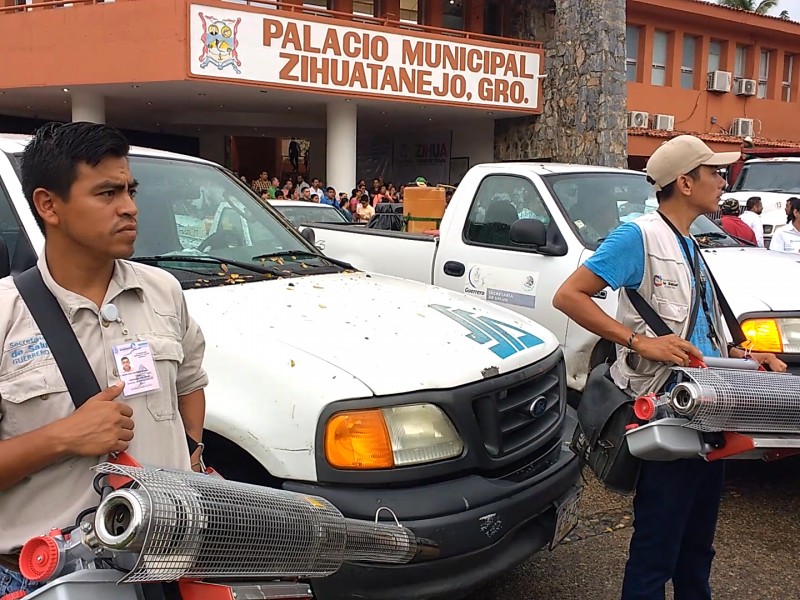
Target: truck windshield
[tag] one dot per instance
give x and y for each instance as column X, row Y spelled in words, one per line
column 769, row 177
column 597, row 203
column 199, row 222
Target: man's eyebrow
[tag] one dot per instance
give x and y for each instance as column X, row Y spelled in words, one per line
column 114, row 185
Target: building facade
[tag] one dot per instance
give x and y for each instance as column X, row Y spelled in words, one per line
column 347, row 89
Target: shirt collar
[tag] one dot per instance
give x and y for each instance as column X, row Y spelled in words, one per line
column 124, row 278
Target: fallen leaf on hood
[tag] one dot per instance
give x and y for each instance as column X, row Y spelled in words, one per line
column 234, row 276
column 322, row 306
column 304, row 266
column 224, row 267
column 291, row 363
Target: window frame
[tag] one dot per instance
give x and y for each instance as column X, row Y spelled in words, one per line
column 711, row 45
column 657, row 66
column 632, row 61
column 786, row 83
column 762, row 81
column 525, row 249
column 689, row 69
column 740, row 67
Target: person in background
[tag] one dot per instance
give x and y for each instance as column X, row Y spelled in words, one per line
column 306, row 194
column 733, row 224
column 787, row 239
column 313, row 198
column 329, row 198
column 287, row 188
column 302, row 183
column 752, row 218
column 265, row 197
column 317, row 189
column 279, row 195
column 261, row 184
column 274, row 185
column 364, row 212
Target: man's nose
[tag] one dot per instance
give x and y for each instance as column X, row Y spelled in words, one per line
column 128, row 205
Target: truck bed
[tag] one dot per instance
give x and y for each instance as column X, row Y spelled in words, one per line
column 405, row 255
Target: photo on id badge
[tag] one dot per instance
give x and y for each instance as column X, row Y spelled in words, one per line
column 136, row 367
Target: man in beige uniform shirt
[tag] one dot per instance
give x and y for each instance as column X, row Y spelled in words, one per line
column 78, row 183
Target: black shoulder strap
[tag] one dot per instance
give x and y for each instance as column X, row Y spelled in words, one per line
column 64, row 346
column 648, row 313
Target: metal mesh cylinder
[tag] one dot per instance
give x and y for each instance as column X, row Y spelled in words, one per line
column 200, row 526
column 738, row 400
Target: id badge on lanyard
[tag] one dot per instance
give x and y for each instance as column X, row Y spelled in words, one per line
column 132, row 358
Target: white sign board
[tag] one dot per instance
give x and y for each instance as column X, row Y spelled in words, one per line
column 282, row 50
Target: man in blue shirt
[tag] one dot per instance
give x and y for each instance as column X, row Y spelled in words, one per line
column 676, row 503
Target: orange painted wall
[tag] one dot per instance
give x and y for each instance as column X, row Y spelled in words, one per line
column 124, row 41
column 693, row 108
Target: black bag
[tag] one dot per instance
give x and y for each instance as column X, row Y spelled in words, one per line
column 604, row 413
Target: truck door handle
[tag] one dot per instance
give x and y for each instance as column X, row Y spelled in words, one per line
column 454, row 269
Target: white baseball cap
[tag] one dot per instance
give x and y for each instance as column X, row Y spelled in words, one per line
column 683, row 154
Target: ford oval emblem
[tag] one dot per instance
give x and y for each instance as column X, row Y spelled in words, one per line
column 537, row 407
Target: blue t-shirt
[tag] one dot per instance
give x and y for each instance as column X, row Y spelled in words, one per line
column 619, row 261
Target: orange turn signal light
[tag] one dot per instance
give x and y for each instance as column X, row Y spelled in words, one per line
column 763, row 335
column 358, row 440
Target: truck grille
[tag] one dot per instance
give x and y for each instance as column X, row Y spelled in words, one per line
column 523, row 415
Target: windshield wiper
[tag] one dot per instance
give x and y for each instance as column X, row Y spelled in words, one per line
column 714, row 235
column 284, row 254
column 209, row 260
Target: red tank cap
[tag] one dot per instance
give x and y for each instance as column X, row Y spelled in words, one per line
column 14, row 595
column 644, row 408
column 38, row 559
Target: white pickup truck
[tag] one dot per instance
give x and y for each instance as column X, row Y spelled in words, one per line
column 513, row 232
column 774, row 180
column 367, row 390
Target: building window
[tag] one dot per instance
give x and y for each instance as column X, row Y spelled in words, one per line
column 763, row 74
column 632, row 52
column 409, row 11
column 788, row 69
column 364, row 7
column 740, row 64
column 317, row 3
column 453, row 14
column 658, row 75
column 714, row 56
column 687, row 62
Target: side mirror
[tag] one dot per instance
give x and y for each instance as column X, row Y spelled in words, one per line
column 529, row 232
column 308, row 235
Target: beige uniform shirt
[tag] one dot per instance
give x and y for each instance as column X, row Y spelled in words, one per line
column 33, row 393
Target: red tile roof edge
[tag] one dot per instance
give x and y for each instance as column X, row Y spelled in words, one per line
column 741, row 10
column 712, row 137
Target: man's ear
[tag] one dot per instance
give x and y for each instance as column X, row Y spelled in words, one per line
column 44, row 201
column 684, row 185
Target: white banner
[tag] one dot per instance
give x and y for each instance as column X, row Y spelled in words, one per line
column 324, row 54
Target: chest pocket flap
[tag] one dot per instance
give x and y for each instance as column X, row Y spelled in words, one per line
column 35, row 381
column 677, row 312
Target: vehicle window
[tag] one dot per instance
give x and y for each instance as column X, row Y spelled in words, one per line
column 597, row 203
column 500, row 201
column 189, row 209
column 769, row 177
column 297, row 215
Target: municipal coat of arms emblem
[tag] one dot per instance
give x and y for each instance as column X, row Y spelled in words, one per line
column 220, row 43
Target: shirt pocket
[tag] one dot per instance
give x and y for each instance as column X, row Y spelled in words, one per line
column 32, row 398
column 674, row 313
column 167, row 356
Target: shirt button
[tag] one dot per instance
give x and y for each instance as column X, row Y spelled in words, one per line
column 45, row 396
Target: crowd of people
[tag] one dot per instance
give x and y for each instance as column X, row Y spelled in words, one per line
column 358, row 205
column 748, row 226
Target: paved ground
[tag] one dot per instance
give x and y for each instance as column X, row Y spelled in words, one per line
column 758, row 544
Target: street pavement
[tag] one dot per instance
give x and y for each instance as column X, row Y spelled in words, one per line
column 758, row 543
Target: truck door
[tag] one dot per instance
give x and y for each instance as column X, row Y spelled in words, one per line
column 482, row 261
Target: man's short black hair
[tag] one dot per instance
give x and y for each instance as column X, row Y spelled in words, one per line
column 330, row 189
column 794, row 204
column 752, row 202
column 51, row 158
column 668, row 190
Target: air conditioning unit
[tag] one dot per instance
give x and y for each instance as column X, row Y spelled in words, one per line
column 746, row 87
column 665, row 122
column 719, row 81
column 638, row 118
column 742, row 127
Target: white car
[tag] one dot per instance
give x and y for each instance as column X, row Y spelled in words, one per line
column 299, row 213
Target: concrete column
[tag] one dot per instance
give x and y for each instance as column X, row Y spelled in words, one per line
column 341, row 146
column 87, row 106
column 212, row 147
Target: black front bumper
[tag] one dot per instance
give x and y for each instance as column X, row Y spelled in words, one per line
column 483, row 527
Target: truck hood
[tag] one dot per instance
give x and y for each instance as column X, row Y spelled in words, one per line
column 756, row 279
column 393, row 335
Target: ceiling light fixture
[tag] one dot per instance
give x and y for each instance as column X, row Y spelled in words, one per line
column 134, row 86
column 263, row 91
column 65, row 90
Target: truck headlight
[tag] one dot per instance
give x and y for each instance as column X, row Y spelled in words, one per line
column 390, row 437
column 781, row 335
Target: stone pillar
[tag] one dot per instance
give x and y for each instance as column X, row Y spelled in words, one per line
column 88, row 107
column 584, row 95
column 341, row 147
